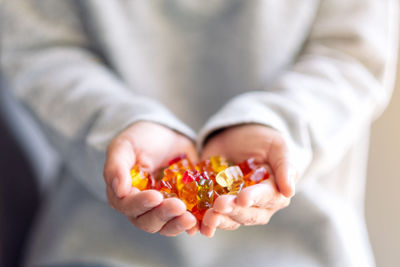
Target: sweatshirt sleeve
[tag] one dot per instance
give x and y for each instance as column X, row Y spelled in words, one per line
column 340, row 81
column 79, row 102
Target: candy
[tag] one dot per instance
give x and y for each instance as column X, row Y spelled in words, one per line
column 199, row 214
column 176, row 159
column 226, row 177
column 236, row 187
column 139, row 178
column 205, row 168
column 219, row 190
column 218, row 163
column 182, row 165
column 205, row 194
column 177, row 170
column 190, row 176
column 188, row 194
column 170, row 178
column 151, row 182
column 199, row 185
column 256, row 176
column 160, row 174
column 247, row 166
column 165, row 188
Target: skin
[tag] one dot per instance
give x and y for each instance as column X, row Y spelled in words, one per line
column 256, row 204
column 151, row 146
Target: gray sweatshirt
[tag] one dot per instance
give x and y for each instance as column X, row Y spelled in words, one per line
column 317, row 71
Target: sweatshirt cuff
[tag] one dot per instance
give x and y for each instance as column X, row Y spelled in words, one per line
column 116, row 118
column 246, row 109
column 111, row 120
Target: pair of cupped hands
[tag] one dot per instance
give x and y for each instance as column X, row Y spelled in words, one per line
column 152, row 145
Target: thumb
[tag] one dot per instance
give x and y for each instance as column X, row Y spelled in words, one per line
column 285, row 173
column 119, row 161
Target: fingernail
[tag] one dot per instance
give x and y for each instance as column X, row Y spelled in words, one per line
column 115, row 186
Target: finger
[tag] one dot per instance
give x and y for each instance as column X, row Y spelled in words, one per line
column 224, row 204
column 137, row 203
column 259, row 195
column 285, row 174
column 192, row 231
column 213, row 220
column 209, row 223
column 120, row 159
column 178, row 225
column 226, row 223
column 250, row 216
column 156, row 218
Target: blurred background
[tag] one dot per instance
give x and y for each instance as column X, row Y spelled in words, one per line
column 383, row 184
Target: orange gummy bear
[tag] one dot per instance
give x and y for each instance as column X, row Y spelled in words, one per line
column 188, row 194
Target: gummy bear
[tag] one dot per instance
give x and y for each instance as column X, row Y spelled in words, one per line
column 256, row 176
column 170, row 177
column 219, row 190
column 179, row 183
column 248, row 166
column 218, row 163
column 188, row 194
column 226, row 177
column 176, row 159
column 165, row 189
column 160, row 173
column 199, row 214
column 139, row 178
column 236, row 187
column 205, row 168
column 178, row 169
column 190, row 176
column 205, row 194
column 151, row 182
column 182, row 165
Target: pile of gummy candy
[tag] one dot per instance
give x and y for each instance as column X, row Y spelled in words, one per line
column 199, row 185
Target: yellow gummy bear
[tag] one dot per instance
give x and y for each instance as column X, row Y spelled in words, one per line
column 218, row 163
column 226, row 177
column 139, row 178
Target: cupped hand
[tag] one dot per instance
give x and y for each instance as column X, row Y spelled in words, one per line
column 151, row 146
column 255, row 204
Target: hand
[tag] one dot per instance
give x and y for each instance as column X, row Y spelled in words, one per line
column 151, row 146
column 255, row 204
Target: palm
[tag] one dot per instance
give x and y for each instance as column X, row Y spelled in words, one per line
column 154, row 145
column 264, row 144
column 241, row 142
column 255, row 204
column 150, row 146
